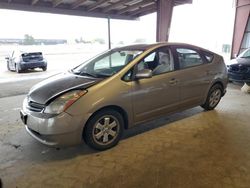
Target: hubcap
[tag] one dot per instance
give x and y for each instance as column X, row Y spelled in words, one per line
column 215, row 97
column 106, row 130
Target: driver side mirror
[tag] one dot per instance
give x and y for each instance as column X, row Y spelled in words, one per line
column 145, row 73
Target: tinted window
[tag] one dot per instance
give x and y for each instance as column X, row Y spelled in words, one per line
column 188, row 58
column 159, row 62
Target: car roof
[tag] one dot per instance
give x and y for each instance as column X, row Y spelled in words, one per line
column 143, row 47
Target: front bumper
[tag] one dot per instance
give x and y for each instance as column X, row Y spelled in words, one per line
column 239, row 77
column 55, row 140
column 61, row 130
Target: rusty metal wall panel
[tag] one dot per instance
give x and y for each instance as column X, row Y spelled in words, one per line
column 241, row 19
column 164, row 17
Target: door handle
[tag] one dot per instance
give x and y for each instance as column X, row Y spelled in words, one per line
column 211, row 73
column 173, row 81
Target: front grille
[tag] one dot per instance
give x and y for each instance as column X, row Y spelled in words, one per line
column 238, row 68
column 34, row 132
column 35, row 107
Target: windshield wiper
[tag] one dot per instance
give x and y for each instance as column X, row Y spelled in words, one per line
column 87, row 74
column 104, row 75
column 82, row 73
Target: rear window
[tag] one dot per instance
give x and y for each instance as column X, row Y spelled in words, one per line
column 32, row 54
column 209, row 56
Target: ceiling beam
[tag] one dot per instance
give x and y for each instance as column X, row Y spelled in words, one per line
column 57, row 2
column 144, row 9
column 63, row 11
column 115, row 5
column 134, row 6
column 78, row 4
column 146, row 12
column 96, row 5
column 34, row 2
column 180, row 2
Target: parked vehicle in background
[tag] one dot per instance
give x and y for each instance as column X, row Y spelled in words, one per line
column 120, row 88
column 20, row 61
column 239, row 68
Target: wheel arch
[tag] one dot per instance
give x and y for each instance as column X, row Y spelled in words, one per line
column 112, row 107
column 216, row 82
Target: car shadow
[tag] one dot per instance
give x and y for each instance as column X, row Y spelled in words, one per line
column 32, row 71
column 163, row 121
column 36, row 70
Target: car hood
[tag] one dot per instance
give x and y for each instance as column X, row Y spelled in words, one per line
column 245, row 61
column 46, row 90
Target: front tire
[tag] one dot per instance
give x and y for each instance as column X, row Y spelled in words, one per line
column 44, row 68
column 104, row 129
column 8, row 66
column 213, row 98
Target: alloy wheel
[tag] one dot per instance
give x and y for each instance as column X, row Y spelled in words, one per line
column 106, row 130
column 214, row 98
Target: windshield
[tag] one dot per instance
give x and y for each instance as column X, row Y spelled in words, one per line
column 245, row 54
column 106, row 64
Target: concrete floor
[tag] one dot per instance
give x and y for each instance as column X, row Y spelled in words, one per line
column 189, row 149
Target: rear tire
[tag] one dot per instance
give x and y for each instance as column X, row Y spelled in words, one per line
column 18, row 70
column 44, row 68
column 104, row 129
column 213, row 97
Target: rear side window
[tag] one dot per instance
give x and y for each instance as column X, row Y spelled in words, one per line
column 188, row 57
column 209, row 56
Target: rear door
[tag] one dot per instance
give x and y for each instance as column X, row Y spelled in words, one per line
column 192, row 75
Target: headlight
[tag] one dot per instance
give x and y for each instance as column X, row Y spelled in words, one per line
column 25, row 103
column 64, row 101
column 20, row 59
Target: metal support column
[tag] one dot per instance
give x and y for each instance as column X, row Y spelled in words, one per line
column 164, row 16
column 240, row 23
column 109, row 37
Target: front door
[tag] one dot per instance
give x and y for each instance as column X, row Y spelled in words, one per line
column 158, row 95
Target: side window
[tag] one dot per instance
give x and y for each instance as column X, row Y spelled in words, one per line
column 188, row 58
column 16, row 56
column 128, row 76
column 209, row 56
column 159, row 62
column 150, row 57
column 13, row 53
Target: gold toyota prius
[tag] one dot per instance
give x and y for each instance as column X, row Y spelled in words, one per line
column 119, row 89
